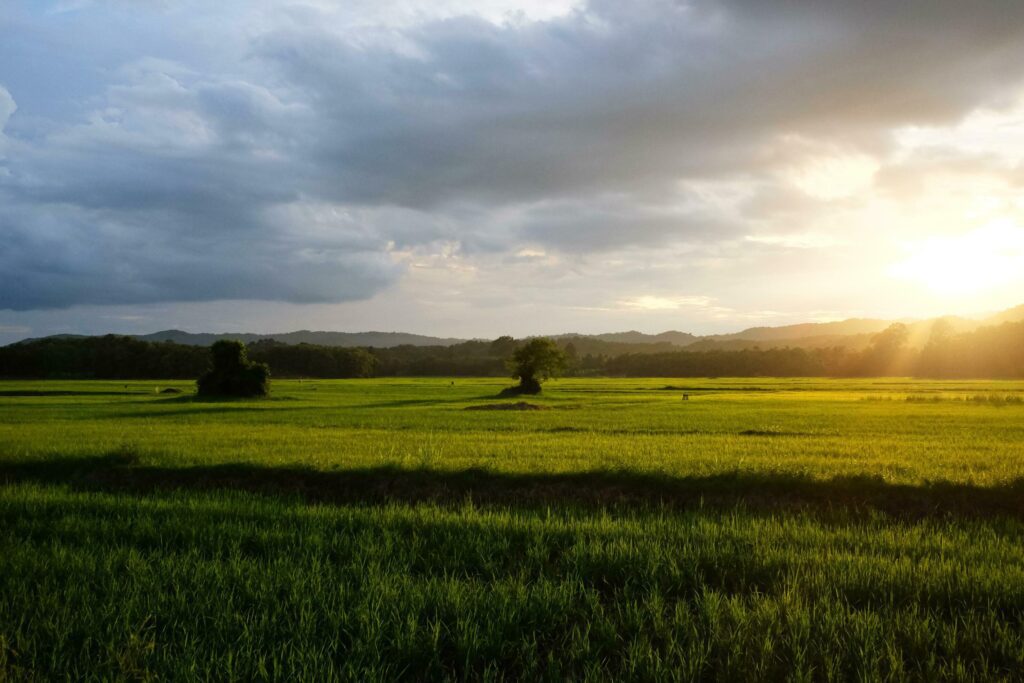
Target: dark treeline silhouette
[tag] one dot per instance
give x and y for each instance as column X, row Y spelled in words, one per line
column 468, row 359
column 488, row 358
column 108, row 357
column 116, row 357
column 310, row 360
column 988, row 352
column 745, row 363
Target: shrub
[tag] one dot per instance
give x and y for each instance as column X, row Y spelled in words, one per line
column 232, row 373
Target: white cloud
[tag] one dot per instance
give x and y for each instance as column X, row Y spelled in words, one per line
column 996, row 132
column 7, row 109
column 649, row 302
column 797, row 240
column 835, row 177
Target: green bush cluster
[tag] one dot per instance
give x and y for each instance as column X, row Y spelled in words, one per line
column 233, row 374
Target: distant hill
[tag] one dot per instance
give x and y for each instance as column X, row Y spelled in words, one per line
column 375, row 339
column 853, row 334
column 633, row 337
column 1011, row 315
column 849, row 341
column 839, row 328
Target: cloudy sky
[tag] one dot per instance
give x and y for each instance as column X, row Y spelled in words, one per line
column 478, row 168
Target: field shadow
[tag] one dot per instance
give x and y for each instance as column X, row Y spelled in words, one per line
column 409, row 402
column 25, row 393
column 199, row 410
column 239, row 400
column 120, row 472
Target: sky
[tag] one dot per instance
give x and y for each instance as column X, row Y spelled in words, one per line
column 474, row 169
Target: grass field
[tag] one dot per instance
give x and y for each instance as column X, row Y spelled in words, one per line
column 376, row 529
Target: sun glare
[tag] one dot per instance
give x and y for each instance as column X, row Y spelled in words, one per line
column 967, row 264
column 836, row 177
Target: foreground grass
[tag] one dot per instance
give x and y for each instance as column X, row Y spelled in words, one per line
column 762, row 530
column 233, row 586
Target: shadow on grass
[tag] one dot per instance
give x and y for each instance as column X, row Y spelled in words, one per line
column 22, row 393
column 196, row 398
column 120, row 472
column 241, row 411
column 404, row 403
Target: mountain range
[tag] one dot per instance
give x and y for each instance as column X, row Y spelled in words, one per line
column 852, row 333
column 374, row 339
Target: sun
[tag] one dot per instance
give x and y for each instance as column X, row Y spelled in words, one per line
column 967, row 264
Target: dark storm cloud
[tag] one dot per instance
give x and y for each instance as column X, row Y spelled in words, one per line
column 601, row 224
column 290, row 171
column 626, row 95
column 87, row 256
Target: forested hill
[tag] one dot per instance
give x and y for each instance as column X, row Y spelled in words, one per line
column 995, row 351
column 855, row 333
column 377, row 339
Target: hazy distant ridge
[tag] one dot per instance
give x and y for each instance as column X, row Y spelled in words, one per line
column 634, row 337
column 374, row 339
column 852, row 333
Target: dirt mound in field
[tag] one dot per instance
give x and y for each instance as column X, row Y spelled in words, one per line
column 521, row 405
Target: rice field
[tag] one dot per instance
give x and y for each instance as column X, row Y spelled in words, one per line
column 761, row 529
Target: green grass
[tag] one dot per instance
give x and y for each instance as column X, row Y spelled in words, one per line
column 375, row 529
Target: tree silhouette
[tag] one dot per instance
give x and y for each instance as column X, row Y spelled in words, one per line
column 885, row 355
column 233, row 374
column 537, row 360
column 503, row 346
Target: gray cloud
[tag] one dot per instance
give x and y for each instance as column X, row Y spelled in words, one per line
column 291, row 168
column 69, row 256
column 626, row 96
column 600, row 224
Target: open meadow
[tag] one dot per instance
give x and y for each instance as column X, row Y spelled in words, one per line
column 805, row 529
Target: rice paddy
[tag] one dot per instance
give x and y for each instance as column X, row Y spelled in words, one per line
column 380, row 530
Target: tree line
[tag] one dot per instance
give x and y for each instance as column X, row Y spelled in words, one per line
column 988, row 352
column 118, row 357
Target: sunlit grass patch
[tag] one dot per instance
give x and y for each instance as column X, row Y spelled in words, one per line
column 371, row 529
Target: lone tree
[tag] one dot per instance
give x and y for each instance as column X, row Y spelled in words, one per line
column 233, row 374
column 537, row 360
